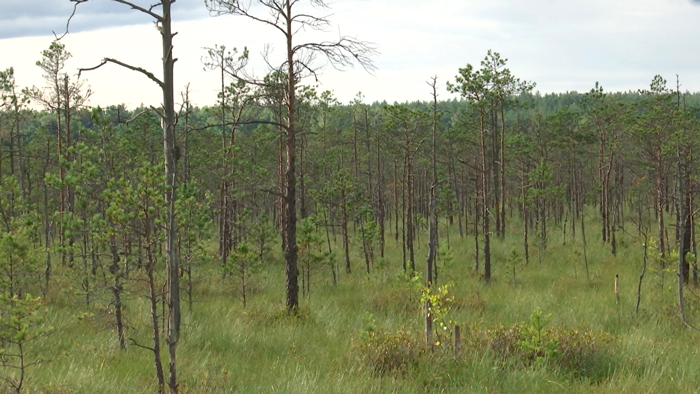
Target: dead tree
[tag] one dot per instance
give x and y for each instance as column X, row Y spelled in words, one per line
column 168, row 119
column 285, row 17
column 433, row 237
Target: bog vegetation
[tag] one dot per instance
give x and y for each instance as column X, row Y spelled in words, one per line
column 503, row 241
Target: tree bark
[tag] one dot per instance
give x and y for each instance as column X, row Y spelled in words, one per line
column 290, row 219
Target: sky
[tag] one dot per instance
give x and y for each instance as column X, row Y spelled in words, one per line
column 561, row 45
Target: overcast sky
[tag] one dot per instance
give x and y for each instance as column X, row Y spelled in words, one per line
column 562, row 45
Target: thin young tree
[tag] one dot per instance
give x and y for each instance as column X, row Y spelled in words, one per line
column 289, row 17
column 62, row 97
column 473, row 85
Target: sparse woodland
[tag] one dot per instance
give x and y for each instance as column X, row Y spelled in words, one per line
column 490, row 238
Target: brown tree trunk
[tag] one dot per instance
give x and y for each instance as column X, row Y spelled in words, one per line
column 290, row 219
column 396, row 205
column 433, row 237
column 485, row 201
column 477, row 216
column 410, row 227
column 502, row 167
column 344, row 228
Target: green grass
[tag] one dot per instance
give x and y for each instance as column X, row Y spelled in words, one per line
column 226, row 349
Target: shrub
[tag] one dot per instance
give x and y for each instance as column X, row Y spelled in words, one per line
column 535, row 342
column 385, row 353
column 578, row 351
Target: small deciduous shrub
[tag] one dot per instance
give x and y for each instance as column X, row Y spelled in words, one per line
column 575, row 352
column 439, row 302
column 389, row 353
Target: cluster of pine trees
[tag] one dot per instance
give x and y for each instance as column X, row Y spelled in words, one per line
column 83, row 189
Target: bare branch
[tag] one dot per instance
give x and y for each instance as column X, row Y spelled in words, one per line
column 233, row 7
column 305, row 65
column 159, row 4
column 133, row 341
column 130, row 67
column 145, row 111
column 315, row 22
column 344, row 52
column 145, row 11
column 75, row 8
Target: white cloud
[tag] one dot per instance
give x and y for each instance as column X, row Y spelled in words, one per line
column 560, row 45
column 22, row 18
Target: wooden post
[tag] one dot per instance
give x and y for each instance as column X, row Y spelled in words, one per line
column 458, row 340
column 617, row 289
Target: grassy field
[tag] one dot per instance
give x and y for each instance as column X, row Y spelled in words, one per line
column 228, row 349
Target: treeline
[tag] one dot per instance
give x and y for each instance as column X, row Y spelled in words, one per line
column 500, row 148
column 83, row 188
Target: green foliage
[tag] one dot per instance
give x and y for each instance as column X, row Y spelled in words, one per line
column 446, row 256
column 312, row 256
column 513, row 263
column 439, row 301
column 243, row 264
column 552, row 143
column 194, row 220
column 580, row 352
column 535, row 343
column 22, row 321
column 20, row 260
column 261, row 236
column 661, row 266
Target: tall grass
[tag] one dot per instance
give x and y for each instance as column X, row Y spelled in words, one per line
column 228, row 349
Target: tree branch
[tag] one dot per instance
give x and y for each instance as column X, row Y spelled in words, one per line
column 75, row 8
column 274, row 193
column 233, row 7
column 119, row 63
column 145, row 11
column 133, row 341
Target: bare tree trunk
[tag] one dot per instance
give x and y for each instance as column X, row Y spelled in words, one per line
column 410, row 227
column 585, row 246
column 433, row 237
column 381, row 204
column 302, row 184
column 47, row 226
column 290, row 226
column 396, row 205
column 404, row 210
column 477, row 216
column 526, row 243
column 344, row 229
column 173, row 272
column 153, row 298
column 117, row 289
column 485, row 201
column 660, row 202
column 641, row 276
column 684, row 228
column 502, row 168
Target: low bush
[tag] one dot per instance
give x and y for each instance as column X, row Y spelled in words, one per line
column 387, row 353
column 580, row 351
